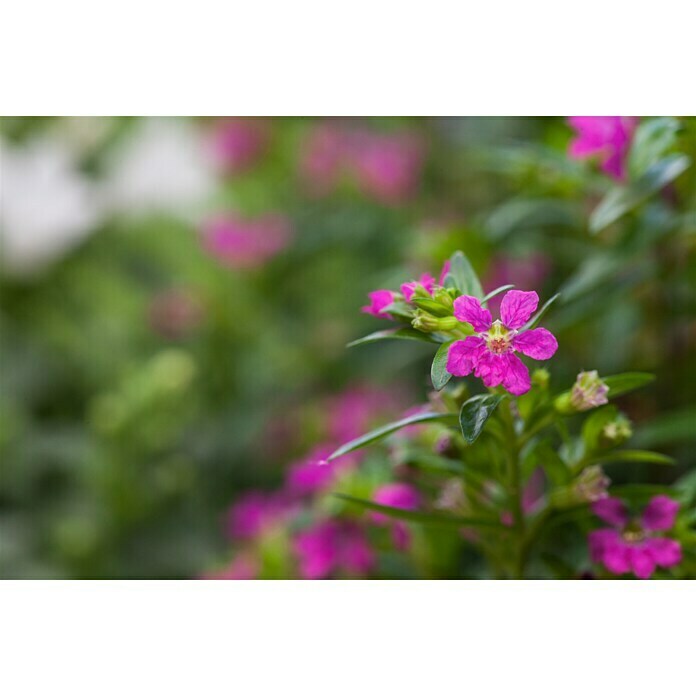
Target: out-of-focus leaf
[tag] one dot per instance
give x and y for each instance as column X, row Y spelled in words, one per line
column 462, row 276
column 640, row 492
column 429, row 518
column 555, row 468
column 495, row 292
column 474, row 414
column 638, row 456
column 626, row 382
column 438, row 370
column 383, row 431
column 591, row 273
column 651, row 141
column 594, row 424
column 529, row 213
column 669, row 428
column 537, row 317
column 622, row 199
column 402, row 333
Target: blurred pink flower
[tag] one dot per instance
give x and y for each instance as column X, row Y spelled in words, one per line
column 522, row 271
column 254, row 512
column 243, row 567
column 174, row 313
column 379, row 299
column 633, row 545
column 396, row 495
column 244, row 242
column 490, row 354
column 607, row 137
column 312, row 474
column 237, row 143
column 351, row 413
column 532, row 494
column 384, row 166
column 333, row 547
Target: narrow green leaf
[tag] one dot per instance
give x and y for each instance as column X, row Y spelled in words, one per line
column 401, row 333
column 638, row 456
column 651, row 141
column 626, row 382
column 474, row 414
column 495, row 292
column 430, row 305
column 537, row 317
column 428, row 518
column 438, row 370
column 399, row 309
column 621, row 200
column 462, row 276
column 383, row 431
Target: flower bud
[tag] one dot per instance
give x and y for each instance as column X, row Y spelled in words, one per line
column 444, row 297
column 588, row 391
column 423, row 321
column 540, row 378
column 592, row 484
column 616, row 432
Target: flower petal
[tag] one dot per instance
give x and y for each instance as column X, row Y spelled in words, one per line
column 599, row 541
column 516, row 379
column 665, row 552
column 445, row 270
column 642, row 562
column 539, row 344
column 469, row 309
column 491, row 368
column 660, row 513
column 611, row 510
column 379, row 299
column 463, row 356
column 516, row 308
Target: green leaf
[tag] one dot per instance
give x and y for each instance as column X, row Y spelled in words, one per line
column 462, row 276
column 638, row 456
column 399, row 309
column 537, row 317
column 383, row 431
column 402, row 333
column 428, row 518
column 594, row 425
column 626, row 382
column 555, row 468
column 495, row 292
column 669, row 428
column 438, row 370
column 474, row 414
column 651, row 141
column 622, row 199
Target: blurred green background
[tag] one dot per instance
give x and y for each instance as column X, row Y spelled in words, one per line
column 176, row 297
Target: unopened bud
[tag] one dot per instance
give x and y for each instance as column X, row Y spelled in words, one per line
column 592, row 484
column 616, row 432
column 588, row 391
column 423, row 321
column 540, row 378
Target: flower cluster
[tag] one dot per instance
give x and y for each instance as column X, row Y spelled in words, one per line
column 635, row 545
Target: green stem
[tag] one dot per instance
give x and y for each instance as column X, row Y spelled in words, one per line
column 515, row 489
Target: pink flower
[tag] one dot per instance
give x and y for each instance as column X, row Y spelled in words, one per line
column 632, row 545
column 608, row 137
column 426, row 280
column 396, row 495
column 237, row 143
column 351, row 412
column 331, row 547
column 379, row 299
column 253, row 513
column 384, row 166
column 246, row 243
column 490, row 354
column 243, row 567
column 532, row 494
column 387, row 166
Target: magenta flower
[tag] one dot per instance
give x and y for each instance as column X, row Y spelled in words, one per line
column 387, row 166
column 253, row 513
column 490, row 354
column 396, row 495
column 311, row 475
column 243, row 567
column 426, row 280
column 237, row 143
column 351, row 413
column 332, row 547
column 379, row 299
column 246, row 243
column 633, row 545
column 607, row 137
